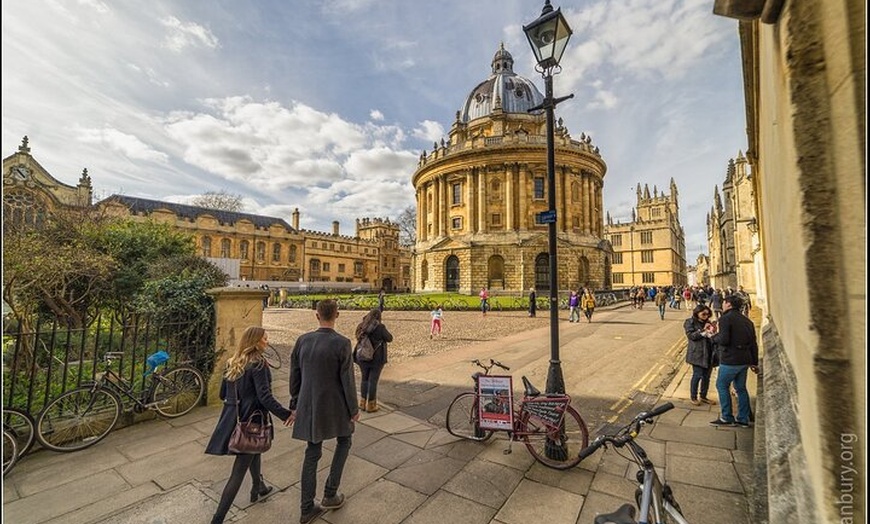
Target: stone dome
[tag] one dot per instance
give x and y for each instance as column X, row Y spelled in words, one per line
column 503, row 90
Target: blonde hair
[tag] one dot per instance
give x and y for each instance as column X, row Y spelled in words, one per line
column 246, row 353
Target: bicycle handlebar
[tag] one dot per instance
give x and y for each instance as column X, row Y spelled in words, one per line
column 491, row 364
column 623, row 436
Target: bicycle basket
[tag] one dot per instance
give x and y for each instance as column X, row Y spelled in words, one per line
column 157, row 359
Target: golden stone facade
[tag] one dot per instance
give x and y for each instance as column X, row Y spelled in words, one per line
column 651, row 249
column 264, row 248
column 479, row 193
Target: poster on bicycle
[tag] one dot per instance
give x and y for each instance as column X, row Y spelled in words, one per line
column 496, row 406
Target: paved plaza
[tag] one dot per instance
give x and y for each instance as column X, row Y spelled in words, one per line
column 404, row 467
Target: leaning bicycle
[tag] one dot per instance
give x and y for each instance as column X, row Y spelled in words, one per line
column 655, row 499
column 83, row 416
column 551, row 429
column 18, row 436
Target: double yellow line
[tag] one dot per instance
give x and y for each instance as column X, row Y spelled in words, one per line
column 622, row 404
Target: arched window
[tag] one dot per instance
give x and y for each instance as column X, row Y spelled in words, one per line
column 276, row 252
column 225, row 248
column 424, row 273
column 451, row 274
column 243, row 249
column 583, row 272
column 292, row 254
column 261, row 251
column 495, row 272
column 314, row 269
column 542, row 272
column 206, row 246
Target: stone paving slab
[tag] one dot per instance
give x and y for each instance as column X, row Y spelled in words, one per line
column 108, row 506
column 184, row 505
column 445, row 507
column 535, row 502
column 426, row 471
column 64, row 498
column 486, row 482
column 704, row 473
column 381, row 502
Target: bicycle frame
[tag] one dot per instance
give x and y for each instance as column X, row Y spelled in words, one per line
column 110, row 380
column 654, row 495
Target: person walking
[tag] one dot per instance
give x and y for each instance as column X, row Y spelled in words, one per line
column 484, row 300
column 382, row 300
column 738, row 353
column 370, row 370
column 323, row 397
column 574, row 307
column 699, row 353
column 661, row 300
column 246, row 387
column 716, row 303
column 437, row 316
column 587, row 303
column 533, row 302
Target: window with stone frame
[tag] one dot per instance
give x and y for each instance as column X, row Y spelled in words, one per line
column 649, row 278
column 618, row 278
column 617, row 258
column 292, row 254
column 496, row 219
column 206, row 246
column 326, row 266
column 225, row 247
column 341, row 268
column 358, row 269
column 457, row 193
column 457, row 222
column 244, row 247
column 276, row 252
column 539, row 188
column 646, row 237
column 261, row 251
column 646, row 256
column 575, row 192
column 616, row 240
column 22, row 209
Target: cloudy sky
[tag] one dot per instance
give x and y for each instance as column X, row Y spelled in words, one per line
column 325, row 105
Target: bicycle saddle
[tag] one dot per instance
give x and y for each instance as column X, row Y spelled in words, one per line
column 624, row 515
column 531, row 391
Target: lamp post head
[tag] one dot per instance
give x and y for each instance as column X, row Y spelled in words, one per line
column 548, row 36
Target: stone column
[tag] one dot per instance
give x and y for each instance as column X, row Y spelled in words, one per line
column 471, row 227
column 587, row 204
column 509, row 198
column 524, row 203
column 481, row 198
column 445, row 206
column 436, row 207
column 236, row 308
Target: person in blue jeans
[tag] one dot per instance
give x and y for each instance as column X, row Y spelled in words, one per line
column 738, row 353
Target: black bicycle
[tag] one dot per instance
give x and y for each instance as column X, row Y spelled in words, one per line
column 18, row 436
column 655, row 500
column 83, row 416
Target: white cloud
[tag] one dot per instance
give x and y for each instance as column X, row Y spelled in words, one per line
column 429, row 130
column 187, row 34
column 128, row 145
column 376, row 115
column 603, row 99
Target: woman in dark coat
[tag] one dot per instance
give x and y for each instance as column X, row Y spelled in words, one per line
column 379, row 335
column 246, row 388
column 533, row 302
column 699, row 353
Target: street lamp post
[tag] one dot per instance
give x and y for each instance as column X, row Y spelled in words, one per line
column 548, row 36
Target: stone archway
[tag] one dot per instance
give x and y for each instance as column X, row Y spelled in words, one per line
column 583, row 272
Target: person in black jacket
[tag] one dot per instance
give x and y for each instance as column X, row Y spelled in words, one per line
column 370, row 370
column 699, row 353
column 738, row 353
column 246, row 388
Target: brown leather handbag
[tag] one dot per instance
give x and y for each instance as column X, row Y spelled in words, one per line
column 253, row 435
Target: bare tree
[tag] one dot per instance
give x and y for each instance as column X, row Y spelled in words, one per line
column 221, row 200
column 407, row 222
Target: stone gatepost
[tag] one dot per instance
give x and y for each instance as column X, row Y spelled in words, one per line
column 236, row 308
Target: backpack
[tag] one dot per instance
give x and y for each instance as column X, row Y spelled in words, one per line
column 365, row 351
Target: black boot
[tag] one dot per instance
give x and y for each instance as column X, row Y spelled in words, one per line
column 260, row 490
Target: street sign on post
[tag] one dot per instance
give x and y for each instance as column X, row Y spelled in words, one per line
column 546, row 217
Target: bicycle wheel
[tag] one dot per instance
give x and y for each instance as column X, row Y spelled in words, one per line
column 10, row 451
column 462, row 418
column 273, row 357
column 77, row 419
column 20, row 424
column 177, row 391
column 558, row 451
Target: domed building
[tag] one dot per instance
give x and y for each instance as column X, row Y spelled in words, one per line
column 478, row 196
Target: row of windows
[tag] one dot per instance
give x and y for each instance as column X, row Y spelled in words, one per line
column 646, row 256
column 244, row 248
column 646, row 278
column 538, row 189
column 646, row 237
column 341, row 247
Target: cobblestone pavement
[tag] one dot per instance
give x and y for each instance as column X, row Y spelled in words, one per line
column 410, row 329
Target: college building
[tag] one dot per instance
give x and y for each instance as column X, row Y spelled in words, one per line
column 650, row 250
column 247, row 246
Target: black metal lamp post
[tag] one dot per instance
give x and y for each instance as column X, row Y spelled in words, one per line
column 548, row 36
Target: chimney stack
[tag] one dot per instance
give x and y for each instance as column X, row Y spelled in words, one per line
column 296, row 219
column 335, row 227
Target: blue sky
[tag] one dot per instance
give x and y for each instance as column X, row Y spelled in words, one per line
column 326, row 105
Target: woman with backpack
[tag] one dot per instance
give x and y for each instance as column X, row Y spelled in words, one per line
column 370, row 370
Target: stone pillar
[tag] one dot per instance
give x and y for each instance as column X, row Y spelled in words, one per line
column 481, row 198
column 445, row 206
column 236, row 308
column 436, row 207
column 587, row 204
column 470, row 226
column 509, row 198
column 525, row 204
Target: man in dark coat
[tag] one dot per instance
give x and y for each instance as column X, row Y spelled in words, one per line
column 323, row 397
column 738, row 353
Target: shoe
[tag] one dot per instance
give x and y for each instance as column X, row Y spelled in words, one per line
column 312, row 515
column 258, row 494
column 372, row 406
column 708, row 401
column 430, row 336
column 696, row 402
column 362, row 404
column 744, row 424
column 722, row 423
column 334, row 502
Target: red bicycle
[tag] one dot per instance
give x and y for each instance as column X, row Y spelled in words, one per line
column 551, row 429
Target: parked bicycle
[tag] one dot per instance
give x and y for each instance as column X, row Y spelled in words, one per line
column 273, row 357
column 655, row 500
column 18, row 436
column 83, row 416
column 552, row 430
